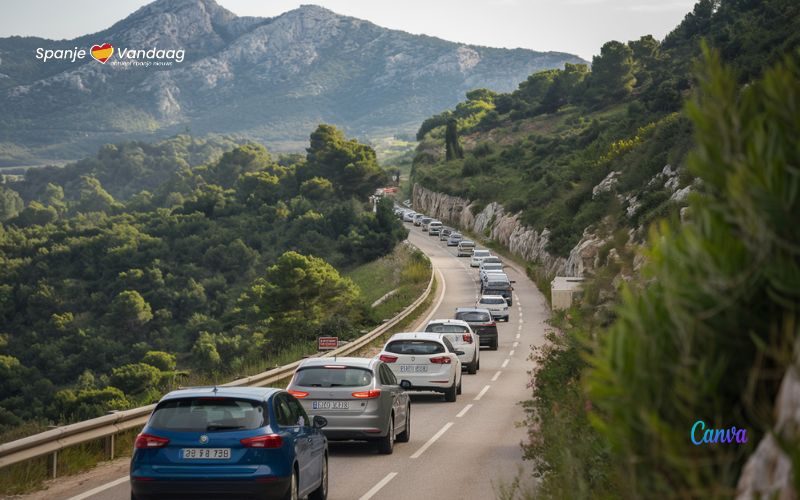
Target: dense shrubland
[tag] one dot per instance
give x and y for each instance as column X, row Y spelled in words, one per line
column 121, row 272
column 707, row 331
column 704, row 326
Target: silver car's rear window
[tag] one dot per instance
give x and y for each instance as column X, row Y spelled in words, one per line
column 333, row 376
column 493, row 301
column 420, row 347
column 209, row 414
column 446, row 328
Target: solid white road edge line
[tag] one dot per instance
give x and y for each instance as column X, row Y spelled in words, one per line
column 483, row 391
column 432, row 440
column 496, row 376
column 464, row 410
column 101, row 488
column 505, row 363
column 378, row 486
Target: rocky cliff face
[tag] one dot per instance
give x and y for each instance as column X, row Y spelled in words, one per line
column 270, row 79
column 768, row 471
column 494, row 222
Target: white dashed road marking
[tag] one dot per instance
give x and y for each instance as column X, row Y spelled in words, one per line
column 505, row 363
column 464, row 411
column 483, row 391
column 375, row 489
column 496, row 376
column 432, row 440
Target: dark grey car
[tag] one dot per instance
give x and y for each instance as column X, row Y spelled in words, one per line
column 360, row 398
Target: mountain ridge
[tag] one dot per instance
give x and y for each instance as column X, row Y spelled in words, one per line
column 268, row 79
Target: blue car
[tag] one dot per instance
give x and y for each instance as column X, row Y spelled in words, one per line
column 230, row 442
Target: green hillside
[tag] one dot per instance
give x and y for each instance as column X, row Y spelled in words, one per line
column 124, row 273
column 691, row 313
column 543, row 148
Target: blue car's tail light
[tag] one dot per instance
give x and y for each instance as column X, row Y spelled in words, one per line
column 266, row 441
column 148, row 441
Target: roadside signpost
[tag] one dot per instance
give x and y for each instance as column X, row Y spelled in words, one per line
column 327, row 343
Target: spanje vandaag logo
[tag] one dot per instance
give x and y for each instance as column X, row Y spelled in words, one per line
column 107, row 53
column 102, row 53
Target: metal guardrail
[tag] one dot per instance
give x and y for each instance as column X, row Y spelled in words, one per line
column 108, row 426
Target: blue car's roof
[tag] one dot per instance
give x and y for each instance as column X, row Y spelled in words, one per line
column 258, row 393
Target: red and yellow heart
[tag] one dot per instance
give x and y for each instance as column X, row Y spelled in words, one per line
column 102, row 53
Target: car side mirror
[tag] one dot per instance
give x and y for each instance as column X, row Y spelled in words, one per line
column 513, row 281
column 405, row 384
column 319, row 421
column 460, row 353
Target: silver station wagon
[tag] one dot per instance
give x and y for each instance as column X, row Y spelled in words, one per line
column 360, row 398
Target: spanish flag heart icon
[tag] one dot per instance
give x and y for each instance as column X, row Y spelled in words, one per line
column 102, row 53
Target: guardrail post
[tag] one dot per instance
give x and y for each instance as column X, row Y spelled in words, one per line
column 110, row 443
column 52, row 465
column 110, row 440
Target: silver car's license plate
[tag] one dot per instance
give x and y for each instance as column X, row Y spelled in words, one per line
column 330, row 405
column 207, row 453
column 413, row 368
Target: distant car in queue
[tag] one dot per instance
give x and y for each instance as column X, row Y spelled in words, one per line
column 462, row 337
column 482, row 323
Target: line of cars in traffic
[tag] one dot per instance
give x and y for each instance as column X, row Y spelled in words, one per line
column 218, row 442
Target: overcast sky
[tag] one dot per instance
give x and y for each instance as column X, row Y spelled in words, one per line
column 575, row 26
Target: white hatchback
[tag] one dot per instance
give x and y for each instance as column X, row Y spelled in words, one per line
column 478, row 256
column 427, row 361
column 462, row 337
column 496, row 304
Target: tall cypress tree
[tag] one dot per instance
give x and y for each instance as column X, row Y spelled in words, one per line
column 453, row 148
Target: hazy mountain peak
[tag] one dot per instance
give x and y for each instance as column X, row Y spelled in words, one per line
column 269, row 79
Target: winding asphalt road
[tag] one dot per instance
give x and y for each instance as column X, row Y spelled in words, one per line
column 463, row 450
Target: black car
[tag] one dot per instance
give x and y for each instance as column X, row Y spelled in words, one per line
column 482, row 323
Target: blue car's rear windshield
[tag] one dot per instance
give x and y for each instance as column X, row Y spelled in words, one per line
column 209, row 414
column 334, row 376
